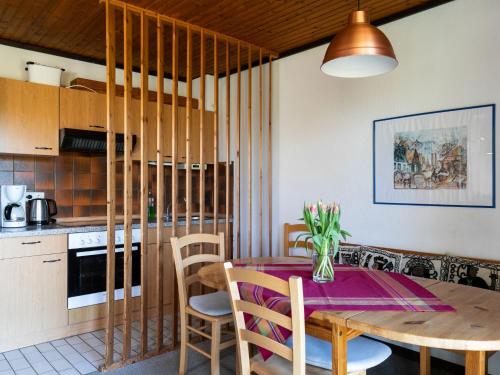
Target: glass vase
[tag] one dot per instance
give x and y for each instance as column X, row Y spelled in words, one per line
column 323, row 271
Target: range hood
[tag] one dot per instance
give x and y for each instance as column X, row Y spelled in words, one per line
column 89, row 141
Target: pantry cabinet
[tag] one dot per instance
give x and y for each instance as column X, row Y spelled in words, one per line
column 29, row 118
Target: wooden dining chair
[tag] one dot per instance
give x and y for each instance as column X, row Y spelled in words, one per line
column 302, row 353
column 213, row 308
column 291, row 245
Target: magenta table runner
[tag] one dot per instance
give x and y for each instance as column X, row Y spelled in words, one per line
column 354, row 289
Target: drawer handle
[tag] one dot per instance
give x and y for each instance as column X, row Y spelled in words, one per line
column 30, row 243
column 96, row 126
column 52, row 261
column 43, row 148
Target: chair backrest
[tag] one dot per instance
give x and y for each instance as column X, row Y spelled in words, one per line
column 291, row 289
column 183, row 281
column 293, row 247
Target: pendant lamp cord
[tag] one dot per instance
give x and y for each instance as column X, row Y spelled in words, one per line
column 358, row 3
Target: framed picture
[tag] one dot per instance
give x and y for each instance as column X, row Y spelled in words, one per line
column 441, row 158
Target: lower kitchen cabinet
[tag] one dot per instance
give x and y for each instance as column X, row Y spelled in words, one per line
column 33, row 294
column 168, row 275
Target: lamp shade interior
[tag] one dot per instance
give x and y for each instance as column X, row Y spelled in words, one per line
column 358, row 66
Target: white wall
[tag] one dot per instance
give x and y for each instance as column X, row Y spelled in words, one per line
column 449, row 57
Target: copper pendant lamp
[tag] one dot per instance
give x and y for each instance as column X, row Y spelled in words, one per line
column 359, row 50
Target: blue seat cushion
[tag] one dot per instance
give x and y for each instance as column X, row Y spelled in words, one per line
column 213, row 304
column 362, row 353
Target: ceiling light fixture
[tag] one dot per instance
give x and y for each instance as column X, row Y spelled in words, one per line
column 359, row 50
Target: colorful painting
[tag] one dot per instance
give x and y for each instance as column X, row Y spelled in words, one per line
column 431, row 159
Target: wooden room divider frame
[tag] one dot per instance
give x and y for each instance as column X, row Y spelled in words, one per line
column 147, row 17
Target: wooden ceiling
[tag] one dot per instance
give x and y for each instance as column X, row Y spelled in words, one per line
column 76, row 28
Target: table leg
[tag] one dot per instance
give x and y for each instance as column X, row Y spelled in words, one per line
column 425, row 360
column 475, row 363
column 339, row 350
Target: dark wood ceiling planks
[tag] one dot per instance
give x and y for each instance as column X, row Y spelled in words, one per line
column 76, row 28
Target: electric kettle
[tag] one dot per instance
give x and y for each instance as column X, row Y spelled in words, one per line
column 41, row 211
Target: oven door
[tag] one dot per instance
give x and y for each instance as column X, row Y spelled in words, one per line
column 87, row 275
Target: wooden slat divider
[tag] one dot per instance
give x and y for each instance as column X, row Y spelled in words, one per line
column 174, row 114
column 144, row 179
column 110, row 177
column 237, row 210
column 127, row 184
column 184, row 24
column 261, row 247
column 160, row 188
column 229, row 253
column 249, row 142
column 202, row 131
column 189, row 94
column 270, row 161
column 216, row 135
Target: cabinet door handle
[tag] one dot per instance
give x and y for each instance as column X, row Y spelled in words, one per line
column 167, row 156
column 52, row 261
column 43, row 148
column 30, row 243
column 96, row 126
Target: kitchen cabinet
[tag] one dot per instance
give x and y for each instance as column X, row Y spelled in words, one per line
column 152, row 131
column 19, row 247
column 168, row 274
column 33, row 295
column 83, row 110
column 29, row 118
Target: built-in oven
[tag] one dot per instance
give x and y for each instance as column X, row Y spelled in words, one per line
column 87, row 260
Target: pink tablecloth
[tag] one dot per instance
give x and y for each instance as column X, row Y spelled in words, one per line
column 354, row 289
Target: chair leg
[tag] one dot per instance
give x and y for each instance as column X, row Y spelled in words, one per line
column 215, row 348
column 183, row 349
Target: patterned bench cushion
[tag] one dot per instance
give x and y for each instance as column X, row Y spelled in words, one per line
column 349, row 254
column 474, row 273
column 380, row 259
column 428, row 266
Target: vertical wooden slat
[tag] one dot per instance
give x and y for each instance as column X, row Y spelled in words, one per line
column 127, row 181
column 175, row 79
column 189, row 86
column 202, row 130
column 270, row 161
column 216, row 135
column 144, row 179
column 111, row 173
column 249, row 152
column 261, row 245
column 237, row 213
column 229, row 254
column 160, row 181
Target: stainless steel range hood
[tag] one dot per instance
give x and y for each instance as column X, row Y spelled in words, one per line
column 89, row 141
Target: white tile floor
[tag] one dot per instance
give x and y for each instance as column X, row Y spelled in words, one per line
column 81, row 354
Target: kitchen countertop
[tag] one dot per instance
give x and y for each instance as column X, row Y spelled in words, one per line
column 66, row 228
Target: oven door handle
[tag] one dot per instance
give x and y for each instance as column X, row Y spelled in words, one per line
column 82, row 254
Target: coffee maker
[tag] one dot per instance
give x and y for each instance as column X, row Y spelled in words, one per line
column 13, row 206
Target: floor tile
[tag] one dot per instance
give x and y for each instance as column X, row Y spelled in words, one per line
column 93, row 342
column 82, row 347
column 19, row 364
column 86, row 336
column 92, row 356
column 74, row 358
column 35, row 357
column 26, row 371
column 1, row 356
column 58, row 343
column 13, row 354
column 45, row 347
column 4, row 366
column 29, row 349
column 53, row 355
column 7, row 372
column 60, row 364
column 85, row 367
column 70, row 371
column 41, row 367
column 74, row 340
column 66, row 350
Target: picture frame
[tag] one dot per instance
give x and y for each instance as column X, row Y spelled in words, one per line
column 439, row 158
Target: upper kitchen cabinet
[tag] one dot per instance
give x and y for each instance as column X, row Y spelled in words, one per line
column 83, row 110
column 152, row 132
column 29, row 118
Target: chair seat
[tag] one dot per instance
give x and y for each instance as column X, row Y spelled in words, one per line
column 276, row 365
column 362, row 353
column 213, row 304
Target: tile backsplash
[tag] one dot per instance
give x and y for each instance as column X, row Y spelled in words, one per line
column 77, row 182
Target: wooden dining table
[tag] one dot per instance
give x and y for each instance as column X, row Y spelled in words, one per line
column 473, row 329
